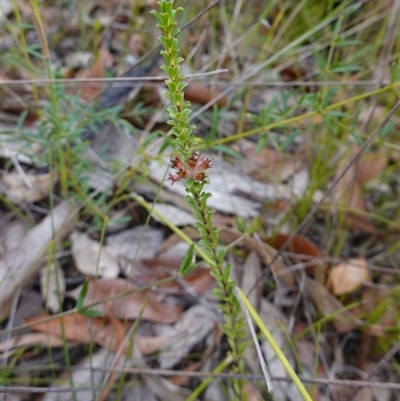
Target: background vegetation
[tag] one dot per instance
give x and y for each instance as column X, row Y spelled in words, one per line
column 297, row 105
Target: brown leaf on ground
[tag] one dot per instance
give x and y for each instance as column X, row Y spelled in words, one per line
column 53, row 286
column 200, row 94
column 349, row 194
column 26, row 340
column 103, row 60
column 361, row 223
column 12, row 230
column 28, row 187
column 199, row 279
column 161, row 267
column 176, row 215
column 79, row 328
column 302, row 246
column 136, row 44
column 222, row 220
column 83, row 329
column 343, row 320
column 194, row 366
column 346, row 277
column 129, row 302
column 370, row 166
column 92, row 258
column 23, row 263
column 150, row 345
column 195, row 325
column 129, row 246
column 16, row 103
column 251, row 284
column 272, row 165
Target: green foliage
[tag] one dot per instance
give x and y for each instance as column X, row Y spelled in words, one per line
column 180, row 110
column 187, row 264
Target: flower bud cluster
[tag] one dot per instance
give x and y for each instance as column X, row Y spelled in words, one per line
column 194, row 167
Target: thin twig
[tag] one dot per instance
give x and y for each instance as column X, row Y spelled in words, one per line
column 164, row 372
column 102, row 80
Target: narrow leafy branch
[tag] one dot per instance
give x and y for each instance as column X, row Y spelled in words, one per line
column 190, row 167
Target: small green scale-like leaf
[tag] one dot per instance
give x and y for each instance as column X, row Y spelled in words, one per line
column 221, row 255
column 90, row 313
column 218, row 293
column 215, row 274
column 187, row 264
column 197, row 215
column 188, row 186
column 215, row 238
column 188, row 199
column 82, row 295
column 227, row 272
column 208, row 251
column 229, row 332
column 196, row 189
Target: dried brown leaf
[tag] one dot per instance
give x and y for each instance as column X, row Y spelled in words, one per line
column 195, row 325
column 346, row 277
column 272, row 165
column 20, row 265
column 129, row 303
column 30, row 340
column 52, row 286
column 348, row 192
column 91, row 258
column 158, row 268
column 344, row 321
column 200, row 94
column 301, row 246
column 370, row 166
column 78, row 328
column 251, row 283
column 134, row 244
column 96, row 70
column 18, row 190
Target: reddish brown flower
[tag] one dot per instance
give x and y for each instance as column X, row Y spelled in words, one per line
column 184, row 174
column 176, row 162
column 194, row 167
column 174, row 178
column 192, row 160
column 199, row 176
column 203, row 163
